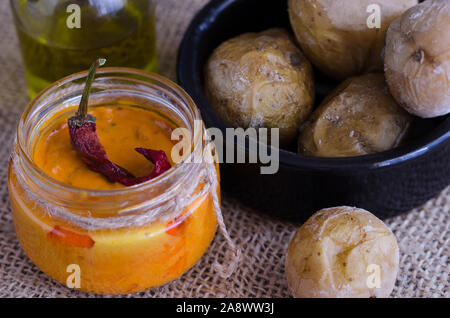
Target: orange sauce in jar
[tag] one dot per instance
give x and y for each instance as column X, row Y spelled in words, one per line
column 121, row 130
column 110, row 261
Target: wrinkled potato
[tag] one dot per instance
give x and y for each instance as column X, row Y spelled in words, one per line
column 261, row 80
column 359, row 117
column 342, row 252
column 335, row 37
column 417, row 59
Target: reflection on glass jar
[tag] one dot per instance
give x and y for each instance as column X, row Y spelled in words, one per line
column 62, row 37
column 122, row 239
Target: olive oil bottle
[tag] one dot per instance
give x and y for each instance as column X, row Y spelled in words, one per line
column 62, row 37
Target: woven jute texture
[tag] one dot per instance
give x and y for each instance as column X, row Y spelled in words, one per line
column 423, row 234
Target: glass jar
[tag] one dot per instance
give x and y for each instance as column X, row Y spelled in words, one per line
column 121, row 240
column 62, row 37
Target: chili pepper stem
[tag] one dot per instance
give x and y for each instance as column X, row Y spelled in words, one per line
column 81, row 115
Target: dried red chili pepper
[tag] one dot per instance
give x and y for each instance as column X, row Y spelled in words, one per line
column 158, row 158
column 84, row 138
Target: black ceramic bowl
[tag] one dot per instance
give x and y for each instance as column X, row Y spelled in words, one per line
column 386, row 184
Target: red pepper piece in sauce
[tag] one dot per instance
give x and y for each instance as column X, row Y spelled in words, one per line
column 70, row 238
column 84, row 138
column 174, row 226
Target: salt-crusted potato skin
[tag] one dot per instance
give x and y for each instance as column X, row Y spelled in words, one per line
column 330, row 255
column 417, row 59
column 335, row 37
column 261, row 80
column 359, row 117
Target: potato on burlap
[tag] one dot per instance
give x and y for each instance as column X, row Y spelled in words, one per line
column 417, row 61
column 261, row 80
column 335, row 37
column 359, row 117
column 342, row 252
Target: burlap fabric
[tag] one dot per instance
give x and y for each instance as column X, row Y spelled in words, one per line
column 423, row 234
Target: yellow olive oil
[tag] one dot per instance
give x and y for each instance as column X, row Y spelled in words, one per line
column 121, row 31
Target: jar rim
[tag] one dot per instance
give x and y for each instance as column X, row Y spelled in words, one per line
column 159, row 79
